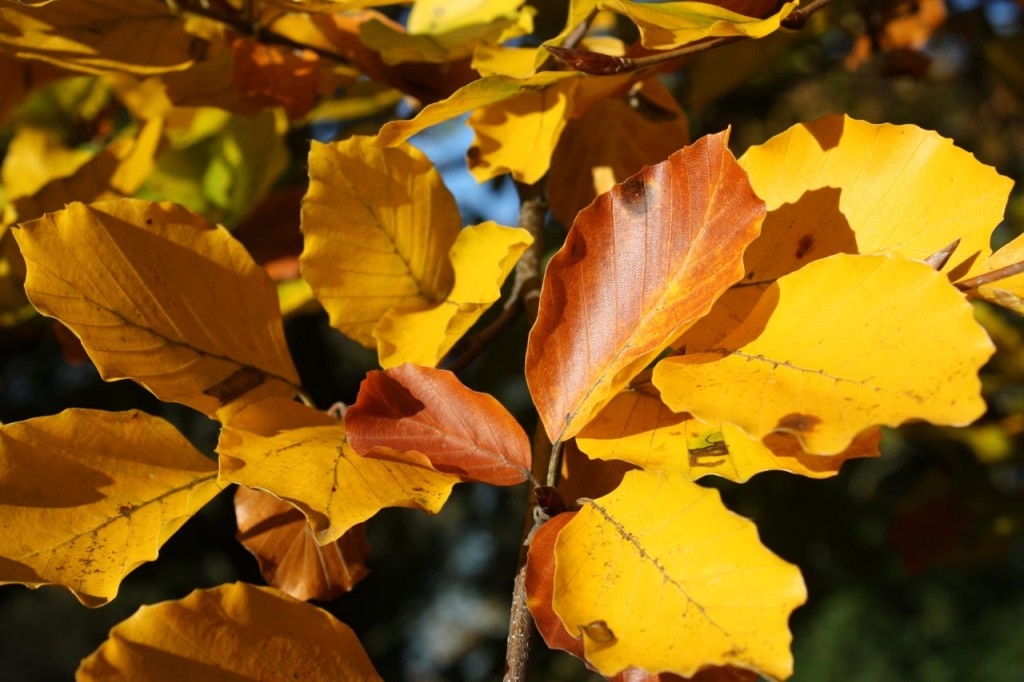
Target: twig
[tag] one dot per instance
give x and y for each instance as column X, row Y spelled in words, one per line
column 989, row 277
column 605, row 65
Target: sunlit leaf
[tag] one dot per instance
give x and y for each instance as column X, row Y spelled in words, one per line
column 160, row 296
column 278, row 75
column 481, row 257
column 429, row 411
column 888, row 340
column 236, row 632
column 667, row 25
column 290, row 558
column 659, row 575
column 638, row 267
column 615, row 138
column 378, row 224
column 637, row 427
column 303, row 457
column 87, row 496
column 100, row 35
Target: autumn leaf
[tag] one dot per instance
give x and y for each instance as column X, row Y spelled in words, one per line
column 1007, row 292
column 614, row 139
column 540, row 583
column 667, row 25
column 290, row 559
column 637, row 427
column 277, row 75
column 399, row 273
column 88, row 496
column 430, row 412
column 639, row 266
column 659, row 575
column 889, row 340
column 303, row 457
column 236, row 631
column 99, row 35
column 482, row 258
column 160, row 296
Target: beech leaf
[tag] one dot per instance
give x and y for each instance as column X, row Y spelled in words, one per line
column 667, row 25
column 639, row 266
column 236, row 632
column 429, row 412
column 636, row 577
column 889, row 340
column 637, row 427
column 87, row 496
column 290, row 559
column 303, row 457
column 159, row 295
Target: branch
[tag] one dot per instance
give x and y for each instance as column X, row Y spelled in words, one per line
column 989, row 277
column 598, row 64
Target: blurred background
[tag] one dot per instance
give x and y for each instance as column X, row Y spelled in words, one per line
column 914, row 561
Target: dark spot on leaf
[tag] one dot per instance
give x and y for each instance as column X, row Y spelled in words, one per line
column 801, row 423
column 198, row 48
column 239, row 383
column 149, row 221
column 473, row 155
column 599, row 632
column 804, row 245
column 633, row 195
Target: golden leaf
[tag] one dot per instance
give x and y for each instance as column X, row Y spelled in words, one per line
column 659, row 575
column 160, row 296
column 87, row 496
column 844, row 343
column 236, row 632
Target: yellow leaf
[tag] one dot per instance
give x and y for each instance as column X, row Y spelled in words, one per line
column 659, row 575
column 637, row 427
column 441, row 32
column 302, row 456
column 377, row 223
column 34, row 157
column 99, row 35
column 1008, row 292
column 493, row 60
column 482, row 257
column 667, row 25
column 847, row 185
column 844, row 343
column 87, row 496
column 235, row 632
column 159, row 295
column 479, row 93
column 579, row 11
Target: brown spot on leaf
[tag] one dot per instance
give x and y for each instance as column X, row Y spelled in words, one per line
column 804, row 245
column 238, row 384
column 599, row 632
column 795, row 421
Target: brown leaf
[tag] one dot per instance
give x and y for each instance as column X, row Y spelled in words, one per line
column 540, row 575
column 290, row 559
column 277, row 75
column 640, row 266
column 413, row 409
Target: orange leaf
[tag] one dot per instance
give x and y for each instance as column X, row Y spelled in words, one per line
column 277, row 75
column 428, row 411
column 540, row 582
column 640, row 265
column 233, row 632
column 290, row 559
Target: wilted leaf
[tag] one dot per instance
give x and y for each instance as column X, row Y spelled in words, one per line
column 377, row 224
column 637, row 427
column 667, row 25
column 841, row 185
column 430, row 412
column 303, row 457
column 161, row 296
column 659, row 575
column 639, row 266
column 290, row 559
column 889, row 340
column 1008, row 292
column 277, row 75
column 615, row 138
column 88, row 496
column 236, row 632
column 481, row 257
column 100, row 35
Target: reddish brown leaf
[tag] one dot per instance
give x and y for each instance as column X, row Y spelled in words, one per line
column 271, row 233
column 277, row 75
column 428, row 412
column 290, row 559
column 640, row 266
column 540, row 581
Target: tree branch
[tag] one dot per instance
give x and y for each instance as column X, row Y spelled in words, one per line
column 989, row 277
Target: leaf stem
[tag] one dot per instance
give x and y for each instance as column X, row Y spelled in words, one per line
column 989, row 277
